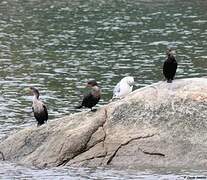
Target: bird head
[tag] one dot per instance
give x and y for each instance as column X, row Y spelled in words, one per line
column 92, row 83
column 34, row 92
column 170, row 52
column 129, row 80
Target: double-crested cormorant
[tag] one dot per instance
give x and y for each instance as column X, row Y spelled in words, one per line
column 124, row 87
column 92, row 98
column 170, row 66
column 39, row 109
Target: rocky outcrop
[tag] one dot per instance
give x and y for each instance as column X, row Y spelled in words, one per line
column 161, row 125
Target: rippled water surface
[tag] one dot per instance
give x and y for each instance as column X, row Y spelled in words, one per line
column 12, row 171
column 58, row 45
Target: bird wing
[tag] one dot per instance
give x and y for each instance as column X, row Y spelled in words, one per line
column 86, row 98
column 45, row 110
column 116, row 90
column 165, row 67
column 175, row 67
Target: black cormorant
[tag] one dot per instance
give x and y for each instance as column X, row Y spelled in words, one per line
column 170, row 66
column 39, row 109
column 92, row 98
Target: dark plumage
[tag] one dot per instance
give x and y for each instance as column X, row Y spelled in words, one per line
column 170, row 66
column 92, row 98
column 39, row 109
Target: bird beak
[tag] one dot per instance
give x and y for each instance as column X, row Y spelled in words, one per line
column 30, row 92
column 88, row 85
column 171, row 52
column 132, row 84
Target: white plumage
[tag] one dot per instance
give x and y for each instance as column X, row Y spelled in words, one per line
column 124, row 87
column 37, row 105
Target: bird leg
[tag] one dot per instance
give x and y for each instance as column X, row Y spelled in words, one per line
column 93, row 110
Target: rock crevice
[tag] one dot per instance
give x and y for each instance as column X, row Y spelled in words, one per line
column 126, row 143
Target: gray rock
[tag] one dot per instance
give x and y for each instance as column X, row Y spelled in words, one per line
column 161, row 125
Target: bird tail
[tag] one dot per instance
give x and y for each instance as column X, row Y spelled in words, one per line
column 39, row 123
column 78, row 107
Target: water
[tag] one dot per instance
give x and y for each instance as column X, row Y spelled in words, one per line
column 58, row 45
column 13, row 171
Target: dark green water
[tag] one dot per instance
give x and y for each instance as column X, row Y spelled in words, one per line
column 58, row 45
